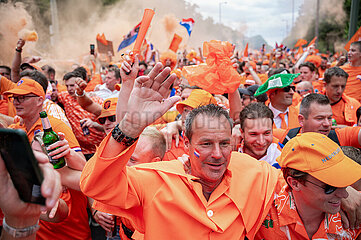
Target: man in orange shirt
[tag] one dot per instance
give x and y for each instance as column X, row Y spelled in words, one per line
column 280, row 91
column 309, row 73
column 316, row 116
column 353, row 68
column 343, row 107
column 317, row 173
column 220, row 195
column 197, row 98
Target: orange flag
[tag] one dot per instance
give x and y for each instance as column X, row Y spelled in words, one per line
column 147, row 18
column 102, row 39
column 312, row 41
column 174, row 45
column 300, row 51
column 245, row 53
column 300, row 42
column 355, row 37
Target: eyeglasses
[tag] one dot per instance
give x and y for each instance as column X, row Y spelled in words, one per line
column 21, row 98
column 328, row 189
column 110, row 118
column 288, row 88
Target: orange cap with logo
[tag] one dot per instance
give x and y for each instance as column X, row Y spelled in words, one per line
column 322, row 158
column 197, row 98
column 26, row 86
column 109, row 107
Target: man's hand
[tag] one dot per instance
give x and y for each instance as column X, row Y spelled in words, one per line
column 105, row 220
column 20, row 44
column 60, row 149
column 351, row 209
column 129, row 72
column 18, row 213
column 149, row 100
column 172, row 131
column 236, row 136
column 80, row 85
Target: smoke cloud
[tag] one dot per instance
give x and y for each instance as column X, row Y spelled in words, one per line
column 80, row 21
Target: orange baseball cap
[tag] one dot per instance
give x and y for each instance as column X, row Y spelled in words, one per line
column 27, row 86
column 197, row 98
column 322, row 158
column 109, row 107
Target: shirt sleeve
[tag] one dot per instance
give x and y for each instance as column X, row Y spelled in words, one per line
column 348, row 136
column 117, row 189
column 6, row 84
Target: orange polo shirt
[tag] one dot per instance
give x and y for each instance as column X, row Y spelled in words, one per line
column 57, row 125
column 353, row 84
column 166, row 203
column 284, row 223
column 344, row 112
column 75, row 226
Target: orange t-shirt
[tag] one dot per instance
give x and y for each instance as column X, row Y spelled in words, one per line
column 344, row 112
column 283, row 222
column 318, row 86
column 57, row 125
column 353, row 84
column 166, row 203
column 75, row 226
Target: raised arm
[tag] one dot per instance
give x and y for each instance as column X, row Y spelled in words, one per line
column 15, row 68
column 146, row 103
column 84, row 100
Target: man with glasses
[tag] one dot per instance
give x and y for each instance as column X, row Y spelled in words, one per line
column 317, row 174
column 280, row 91
column 304, row 88
column 28, row 97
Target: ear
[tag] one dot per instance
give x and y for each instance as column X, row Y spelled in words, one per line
column 295, row 185
column 156, row 159
column 301, row 119
column 40, row 100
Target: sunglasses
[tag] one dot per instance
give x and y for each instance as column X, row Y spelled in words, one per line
column 103, row 119
column 328, row 189
column 288, row 88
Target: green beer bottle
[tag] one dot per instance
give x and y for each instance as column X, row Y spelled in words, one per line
column 49, row 138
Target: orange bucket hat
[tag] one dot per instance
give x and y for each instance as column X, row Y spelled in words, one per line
column 109, row 107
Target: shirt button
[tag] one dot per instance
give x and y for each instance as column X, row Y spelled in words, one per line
column 210, row 213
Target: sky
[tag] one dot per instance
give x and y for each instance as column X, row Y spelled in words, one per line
column 271, row 19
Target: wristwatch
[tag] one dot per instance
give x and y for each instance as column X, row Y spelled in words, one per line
column 120, row 137
column 20, row 232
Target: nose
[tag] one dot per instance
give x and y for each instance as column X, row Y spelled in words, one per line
column 341, row 192
column 217, row 153
column 260, row 139
column 327, row 122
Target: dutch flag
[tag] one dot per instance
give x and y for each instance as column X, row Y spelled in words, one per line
column 188, row 24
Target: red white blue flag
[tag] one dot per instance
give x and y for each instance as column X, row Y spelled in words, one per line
column 188, row 24
column 130, row 37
